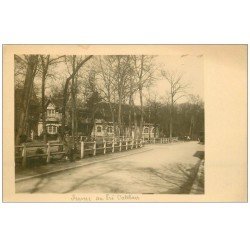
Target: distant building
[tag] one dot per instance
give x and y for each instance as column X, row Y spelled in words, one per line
column 100, row 128
column 150, row 131
column 53, row 120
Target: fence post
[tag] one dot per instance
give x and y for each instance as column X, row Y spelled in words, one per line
column 132, row 143
column 120, row 145
column 154, row 140
column 126, row 143
column 113, row 146
column 104, row 147
column 82, row 149
column 48, row 152
column 94, row 148
column 24, row 154
column 136, row 143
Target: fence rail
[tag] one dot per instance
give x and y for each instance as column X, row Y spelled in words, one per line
column 83, row 148
column 160, row 140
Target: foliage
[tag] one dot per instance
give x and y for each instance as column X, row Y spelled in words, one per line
column 85, row 88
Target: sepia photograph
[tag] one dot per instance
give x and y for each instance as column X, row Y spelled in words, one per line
column 105, row 126
column 130, row 124
column 124, row 125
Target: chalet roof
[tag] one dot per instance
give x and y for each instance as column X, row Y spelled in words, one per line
column 55, row 102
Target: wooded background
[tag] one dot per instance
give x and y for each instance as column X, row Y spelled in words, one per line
column 117, row 88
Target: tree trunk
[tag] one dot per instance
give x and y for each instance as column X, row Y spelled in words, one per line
column 76, row 120
column 135, row 119
column 120, row 92
column 65, row 92
column 141, row 120
column 65, row 99
column 119, row 116
column 44, row 109
column 73, row 104
column 113, row 117
column 130, row 117
column 27, row 91
column 94, row 124
column 191, row 126
column 171, row 120
column 45, row 66
column 140, row 92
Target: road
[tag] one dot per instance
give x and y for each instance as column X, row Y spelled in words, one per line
column 164, row 168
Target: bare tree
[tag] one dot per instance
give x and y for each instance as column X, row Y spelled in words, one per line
column 154, row 106
column 115, row 72
column 123, row 73
column 195, row 108
column 66, row 86
column 144, row 77
column 106, row 86
column 177, row 91
column 132, row 91
column 31, row 70
column 73, row 99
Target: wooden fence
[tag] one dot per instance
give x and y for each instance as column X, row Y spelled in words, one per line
column 48, row 151
column 160, row 140
column 83, row 149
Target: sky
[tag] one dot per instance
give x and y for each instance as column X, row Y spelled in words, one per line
column 191, row 66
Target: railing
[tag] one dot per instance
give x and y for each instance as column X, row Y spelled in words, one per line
column 47, row 151
column 83, row 149
column 160, row 140
column 37, row 151
column 109, row 146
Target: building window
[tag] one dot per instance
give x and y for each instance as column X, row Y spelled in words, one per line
column 49, row 129
column 110, row 130
column 51, row 112
column 146, row 130
column 99, row 129
column 52, row 129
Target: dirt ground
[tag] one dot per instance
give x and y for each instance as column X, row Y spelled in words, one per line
column 164, row 168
